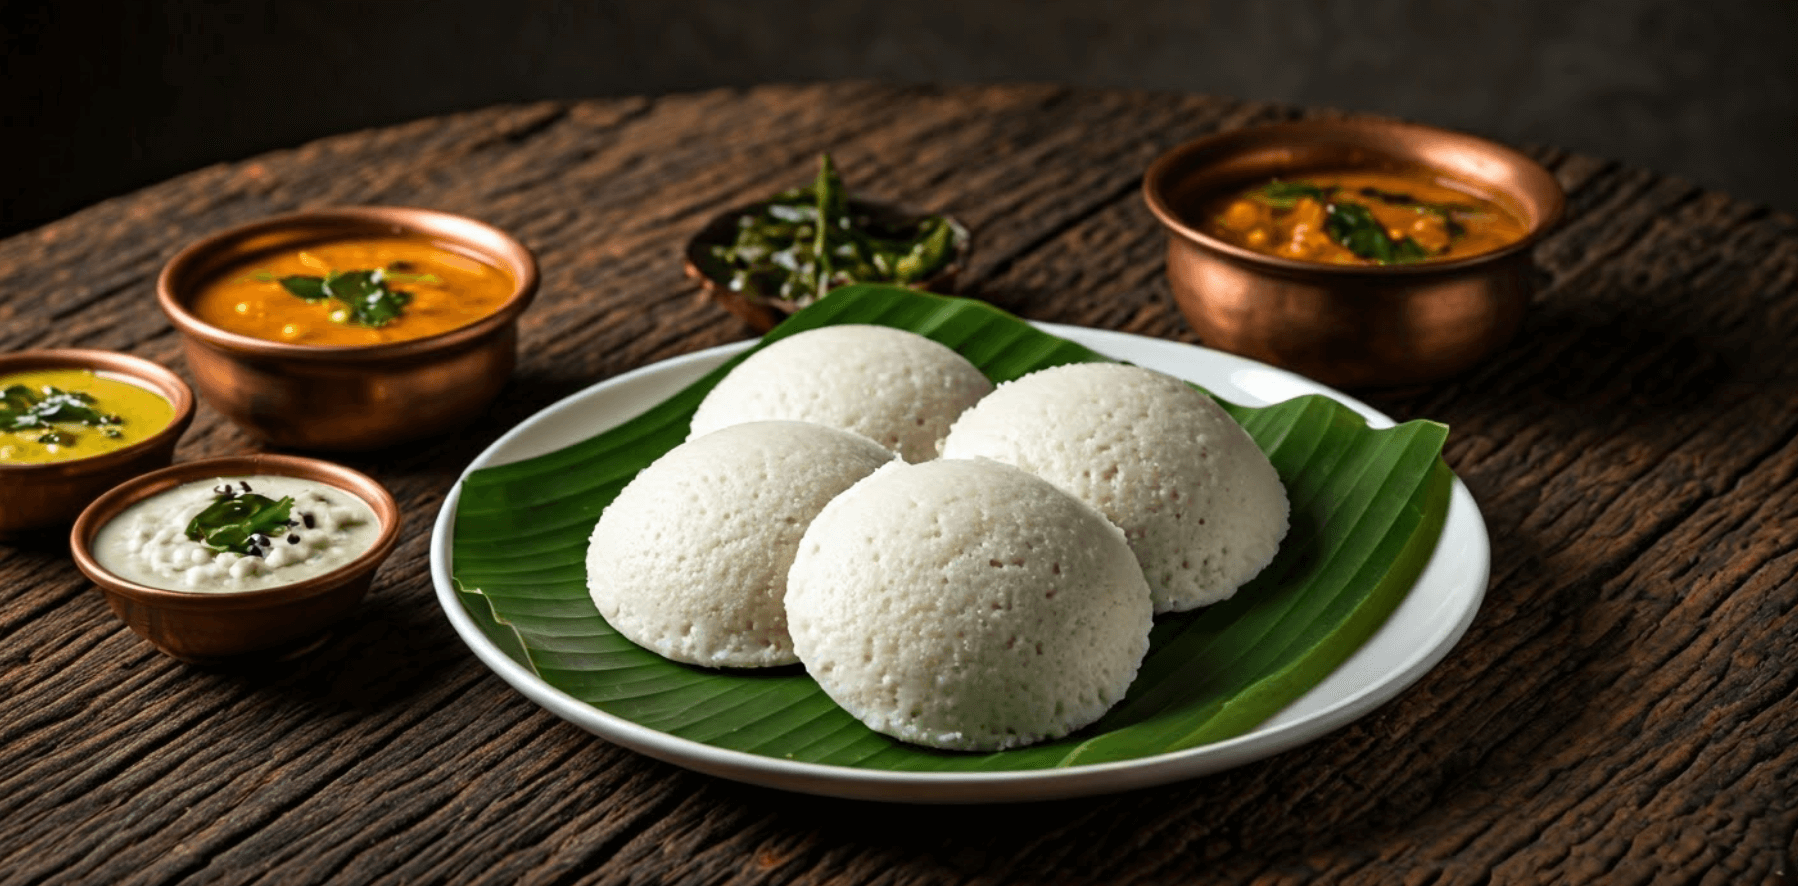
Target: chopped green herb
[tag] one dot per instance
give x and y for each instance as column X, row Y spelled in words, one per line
column 22, row 409
column 1285, row 195
column 1450, row 213
column 807, row 241
column 17, row 397
column 237, row 523
column 1354, row 227
column 307, row 288
column 367, row 299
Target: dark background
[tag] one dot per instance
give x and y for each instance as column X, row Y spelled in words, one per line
column 101, row 98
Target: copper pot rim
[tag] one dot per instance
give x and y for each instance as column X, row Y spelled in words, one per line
column 157, row 378
column 1400, row 144
column 333, row 222
column 348, row 480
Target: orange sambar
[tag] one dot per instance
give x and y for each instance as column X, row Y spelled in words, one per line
column 448, row 290
column 1446, row 219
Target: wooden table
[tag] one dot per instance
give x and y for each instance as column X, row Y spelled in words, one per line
column 1621, row 711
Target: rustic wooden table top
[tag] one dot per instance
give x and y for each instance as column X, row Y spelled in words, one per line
column 1621, row 711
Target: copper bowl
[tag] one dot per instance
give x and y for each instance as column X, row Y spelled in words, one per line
column 1349, row 326
column 763, row 314
column 37, row 497
column 349, row 397
column 203, row 627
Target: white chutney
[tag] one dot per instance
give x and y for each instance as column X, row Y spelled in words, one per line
column 147, row 542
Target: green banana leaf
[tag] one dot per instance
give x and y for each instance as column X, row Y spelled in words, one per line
column 1367, row 507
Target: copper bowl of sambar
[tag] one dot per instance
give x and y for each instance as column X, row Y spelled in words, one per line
column 345, row 397
column 1356, row 326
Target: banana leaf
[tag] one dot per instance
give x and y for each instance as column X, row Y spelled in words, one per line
column 1367, row 508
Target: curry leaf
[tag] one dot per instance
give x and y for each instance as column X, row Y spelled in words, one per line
column 1354, row 228
column 367, row 299
column 18, row 397
column 308, row 288
column 232, row 522
column 1282, row 194
column 27, row 409
column 807, row 241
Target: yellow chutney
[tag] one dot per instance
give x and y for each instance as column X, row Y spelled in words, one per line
column 355, row 291
column 56, row 415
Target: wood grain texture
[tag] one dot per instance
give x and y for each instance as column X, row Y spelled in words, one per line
column 1621, row 710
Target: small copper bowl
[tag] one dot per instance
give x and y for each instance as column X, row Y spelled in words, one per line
column 1349, row 326
column 764, row 314
column 203, row 627
column 48, row 496
column 349, row 397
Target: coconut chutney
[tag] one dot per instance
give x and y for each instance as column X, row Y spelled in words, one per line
column 152, row 542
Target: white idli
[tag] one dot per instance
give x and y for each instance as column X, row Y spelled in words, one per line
column 690, row 560
column 967, row 605
column 897, row 388
column 1202, row 507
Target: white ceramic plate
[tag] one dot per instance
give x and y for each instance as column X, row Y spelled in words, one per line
column 1419, row 633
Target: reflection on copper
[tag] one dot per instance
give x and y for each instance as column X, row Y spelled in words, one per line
column 1349, row 326
column 349, row 397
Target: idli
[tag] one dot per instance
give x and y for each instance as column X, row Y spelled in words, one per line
column 897, row 388
column 967, row 605
column 690, row 560
column 1202, row 507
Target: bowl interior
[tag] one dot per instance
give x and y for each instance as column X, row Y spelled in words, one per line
column 205, row 259
column 721, row 230
column 122, row 367
column 1191, row 175
column 110, row 505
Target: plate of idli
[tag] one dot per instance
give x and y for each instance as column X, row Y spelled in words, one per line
column 1145, row 584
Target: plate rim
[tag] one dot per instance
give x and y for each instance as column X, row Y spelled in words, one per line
column 973, row 787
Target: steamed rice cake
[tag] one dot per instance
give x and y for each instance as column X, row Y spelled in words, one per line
column 690, row 560
column 897, row 388
column 1201, row 505
column 967, row 605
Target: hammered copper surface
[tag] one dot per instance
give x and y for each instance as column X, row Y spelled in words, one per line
column 205, row 627
column 764, row 314
column 349, row 397
column 1349, row 326
column 38, row 497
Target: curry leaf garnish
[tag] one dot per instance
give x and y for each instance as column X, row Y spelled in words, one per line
column 366, row 297
column 1354, row 227
column 1282, row 194
column 807, row 241
column 308, row 288
column 17, row 397
column 25, row 409
column 233, row 522
column 1449, row 213
column 925, row 253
